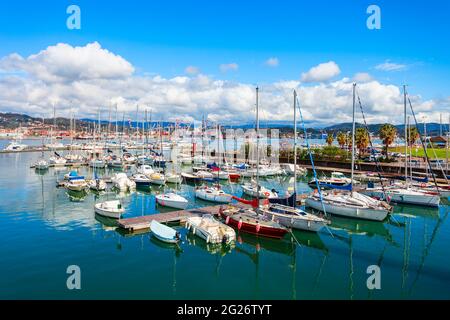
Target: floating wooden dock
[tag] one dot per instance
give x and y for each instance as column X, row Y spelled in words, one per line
column 143, row 222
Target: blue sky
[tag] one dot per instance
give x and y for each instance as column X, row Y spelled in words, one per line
column 164, row 37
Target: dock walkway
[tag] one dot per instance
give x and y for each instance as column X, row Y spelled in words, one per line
column 143, row 222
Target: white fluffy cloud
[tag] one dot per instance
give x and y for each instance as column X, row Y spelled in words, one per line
column 66, row 63
column 321, row 72
column 362, row 77
column 86, row 78
column 272, row 62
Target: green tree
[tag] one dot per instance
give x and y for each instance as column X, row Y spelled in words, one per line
column 413, row 136
column 362, row 140
column 342, row 139
column 387, row 133
column 330, row 138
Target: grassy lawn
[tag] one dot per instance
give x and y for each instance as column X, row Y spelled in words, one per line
column 440, row 153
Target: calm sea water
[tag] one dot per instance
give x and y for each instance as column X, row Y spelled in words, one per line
column 45, row 229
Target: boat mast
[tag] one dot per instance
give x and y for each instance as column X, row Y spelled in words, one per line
column 257, row 148
column 295, row 143
column 353, row 136
column 406, row 137
column 117, row 127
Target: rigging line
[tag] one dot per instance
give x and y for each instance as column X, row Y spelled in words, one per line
column 438, row 163
column 376, row 160
column 312, row 163
column 371, row 146
column 423, row 146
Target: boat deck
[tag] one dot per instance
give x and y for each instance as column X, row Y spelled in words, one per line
column 143, row 222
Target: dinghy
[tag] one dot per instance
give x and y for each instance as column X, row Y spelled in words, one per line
column 110, row 209
column 213, row 194
column 172, row 200
column 211, row 230
column 164, row 233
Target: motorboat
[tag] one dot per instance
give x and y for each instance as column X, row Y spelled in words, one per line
column 250, row 189
column 110, row 209
column 164, row 233
column 172, row 200
column 121, row 182
column 190, row 177
column 336, row 179
column 407, row 195
column 77, row 183
column 211, row 230
column 57, row 161
column 249, row 221
column 146, row 170
column 213, row 194
column 115, row 162
column 97, row 184
column 141, row 180
column 15, row 146
column 41, row 164
column 157, row 178
column 174, row 178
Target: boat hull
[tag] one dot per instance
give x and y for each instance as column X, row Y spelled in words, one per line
column 431, row 201
column 350, row 212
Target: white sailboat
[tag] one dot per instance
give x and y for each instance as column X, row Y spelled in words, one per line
column 350, row 203
column 407, row 194
column 293, row 217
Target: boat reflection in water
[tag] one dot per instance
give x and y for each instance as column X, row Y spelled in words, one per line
column 211, row 248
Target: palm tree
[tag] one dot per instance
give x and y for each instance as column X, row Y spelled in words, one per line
column 341, row 139
column 330, row 139
column 387, row 133
column 413, row 135
column 362, row 139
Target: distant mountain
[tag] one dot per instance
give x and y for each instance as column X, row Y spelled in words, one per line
column 15, row 120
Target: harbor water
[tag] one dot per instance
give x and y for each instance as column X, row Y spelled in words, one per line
column 46, row 229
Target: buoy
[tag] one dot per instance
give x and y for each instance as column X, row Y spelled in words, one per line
column 240, row 224
column 258, row 227
column 227, row 220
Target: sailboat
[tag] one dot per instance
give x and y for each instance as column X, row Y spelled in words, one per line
column 406, row 194
column 250, row 220
column 41, row 164
column 349, row 203
column 290, row 216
